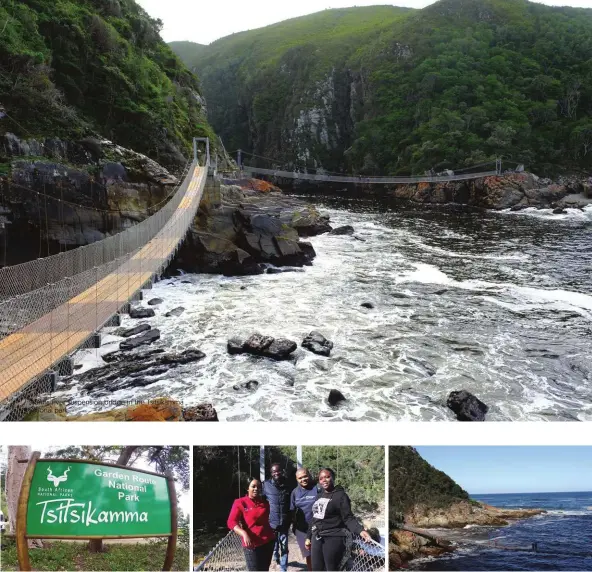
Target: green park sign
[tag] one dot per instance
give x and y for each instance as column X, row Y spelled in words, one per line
column 82, row 499
column 74, row 499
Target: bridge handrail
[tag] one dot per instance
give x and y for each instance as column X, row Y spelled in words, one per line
column 367, row 180
column 34, row 275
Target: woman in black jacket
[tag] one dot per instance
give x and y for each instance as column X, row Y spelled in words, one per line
column 331, row 526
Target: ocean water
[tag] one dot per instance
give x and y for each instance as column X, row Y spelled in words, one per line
column 563, row 536
column 498, row 304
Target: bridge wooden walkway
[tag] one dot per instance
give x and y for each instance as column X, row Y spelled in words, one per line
column 30, row 352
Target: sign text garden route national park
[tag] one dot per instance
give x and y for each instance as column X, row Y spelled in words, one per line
column 70, row 499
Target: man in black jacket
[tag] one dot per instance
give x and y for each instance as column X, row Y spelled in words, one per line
column 332, row 525
column 278, row 495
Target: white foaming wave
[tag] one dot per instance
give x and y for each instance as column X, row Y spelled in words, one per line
column 568, row 513
column 443, row 252
column 529, row 298
column 547, row 214
column 426, row 274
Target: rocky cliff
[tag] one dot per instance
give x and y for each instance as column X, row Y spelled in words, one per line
column 59, row 194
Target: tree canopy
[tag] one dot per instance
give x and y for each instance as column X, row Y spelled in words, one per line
column 71, row 68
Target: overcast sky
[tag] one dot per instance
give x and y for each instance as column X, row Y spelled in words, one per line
column 203, row 22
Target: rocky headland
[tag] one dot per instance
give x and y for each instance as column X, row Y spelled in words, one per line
column 416, row 538
column 247, row 225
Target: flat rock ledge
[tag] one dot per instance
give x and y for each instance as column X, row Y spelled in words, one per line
column 133, row 370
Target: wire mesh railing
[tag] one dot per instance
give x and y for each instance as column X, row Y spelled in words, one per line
column 228, row 554
column 49, row 307
column 30, row 276
column 366, row 180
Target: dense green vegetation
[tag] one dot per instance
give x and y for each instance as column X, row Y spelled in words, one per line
column 413, row 481
column 402, row 91
column 187, row 51
column 70, row 68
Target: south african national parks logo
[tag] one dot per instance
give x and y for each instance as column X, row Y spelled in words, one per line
column 55, row 479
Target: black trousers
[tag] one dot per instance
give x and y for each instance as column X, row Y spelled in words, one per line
column 259, row 559
column 327, row 552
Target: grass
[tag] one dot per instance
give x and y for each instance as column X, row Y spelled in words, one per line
column 57, row 555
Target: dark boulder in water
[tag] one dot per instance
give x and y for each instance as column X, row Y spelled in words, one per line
column 466, row 406
column 257, row 344
column 265, row 346
column 155, row 301
column 335, row 397
column 281, row 349
column 202, row 412
column 250, row 385
column 175, row 312
column 317, row 344
column 559, row 210
column 140, row 313
column 134, row 370
column 347, row 229
column 368, row 305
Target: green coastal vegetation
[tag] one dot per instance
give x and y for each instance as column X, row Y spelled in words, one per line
column 386, row 90
column 413, row 481
column 76, row 68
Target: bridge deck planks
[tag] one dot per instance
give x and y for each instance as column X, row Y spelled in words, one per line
column 28, row 353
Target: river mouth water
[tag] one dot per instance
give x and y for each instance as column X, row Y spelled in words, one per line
column 498, row 304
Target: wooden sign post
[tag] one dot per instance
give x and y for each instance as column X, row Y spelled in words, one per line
column 86, row 500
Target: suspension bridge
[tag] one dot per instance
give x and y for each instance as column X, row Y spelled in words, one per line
column 448, row 175
column 52, row 306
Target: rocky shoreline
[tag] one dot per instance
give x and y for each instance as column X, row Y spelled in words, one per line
column 515, row 191
column 417, row 539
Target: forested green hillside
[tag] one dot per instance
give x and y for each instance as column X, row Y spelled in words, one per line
column 387, row 90
column 189, row 52
column 413, row 481
column 70, row 68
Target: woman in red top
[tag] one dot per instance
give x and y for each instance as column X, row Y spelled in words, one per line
column 249, row 518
